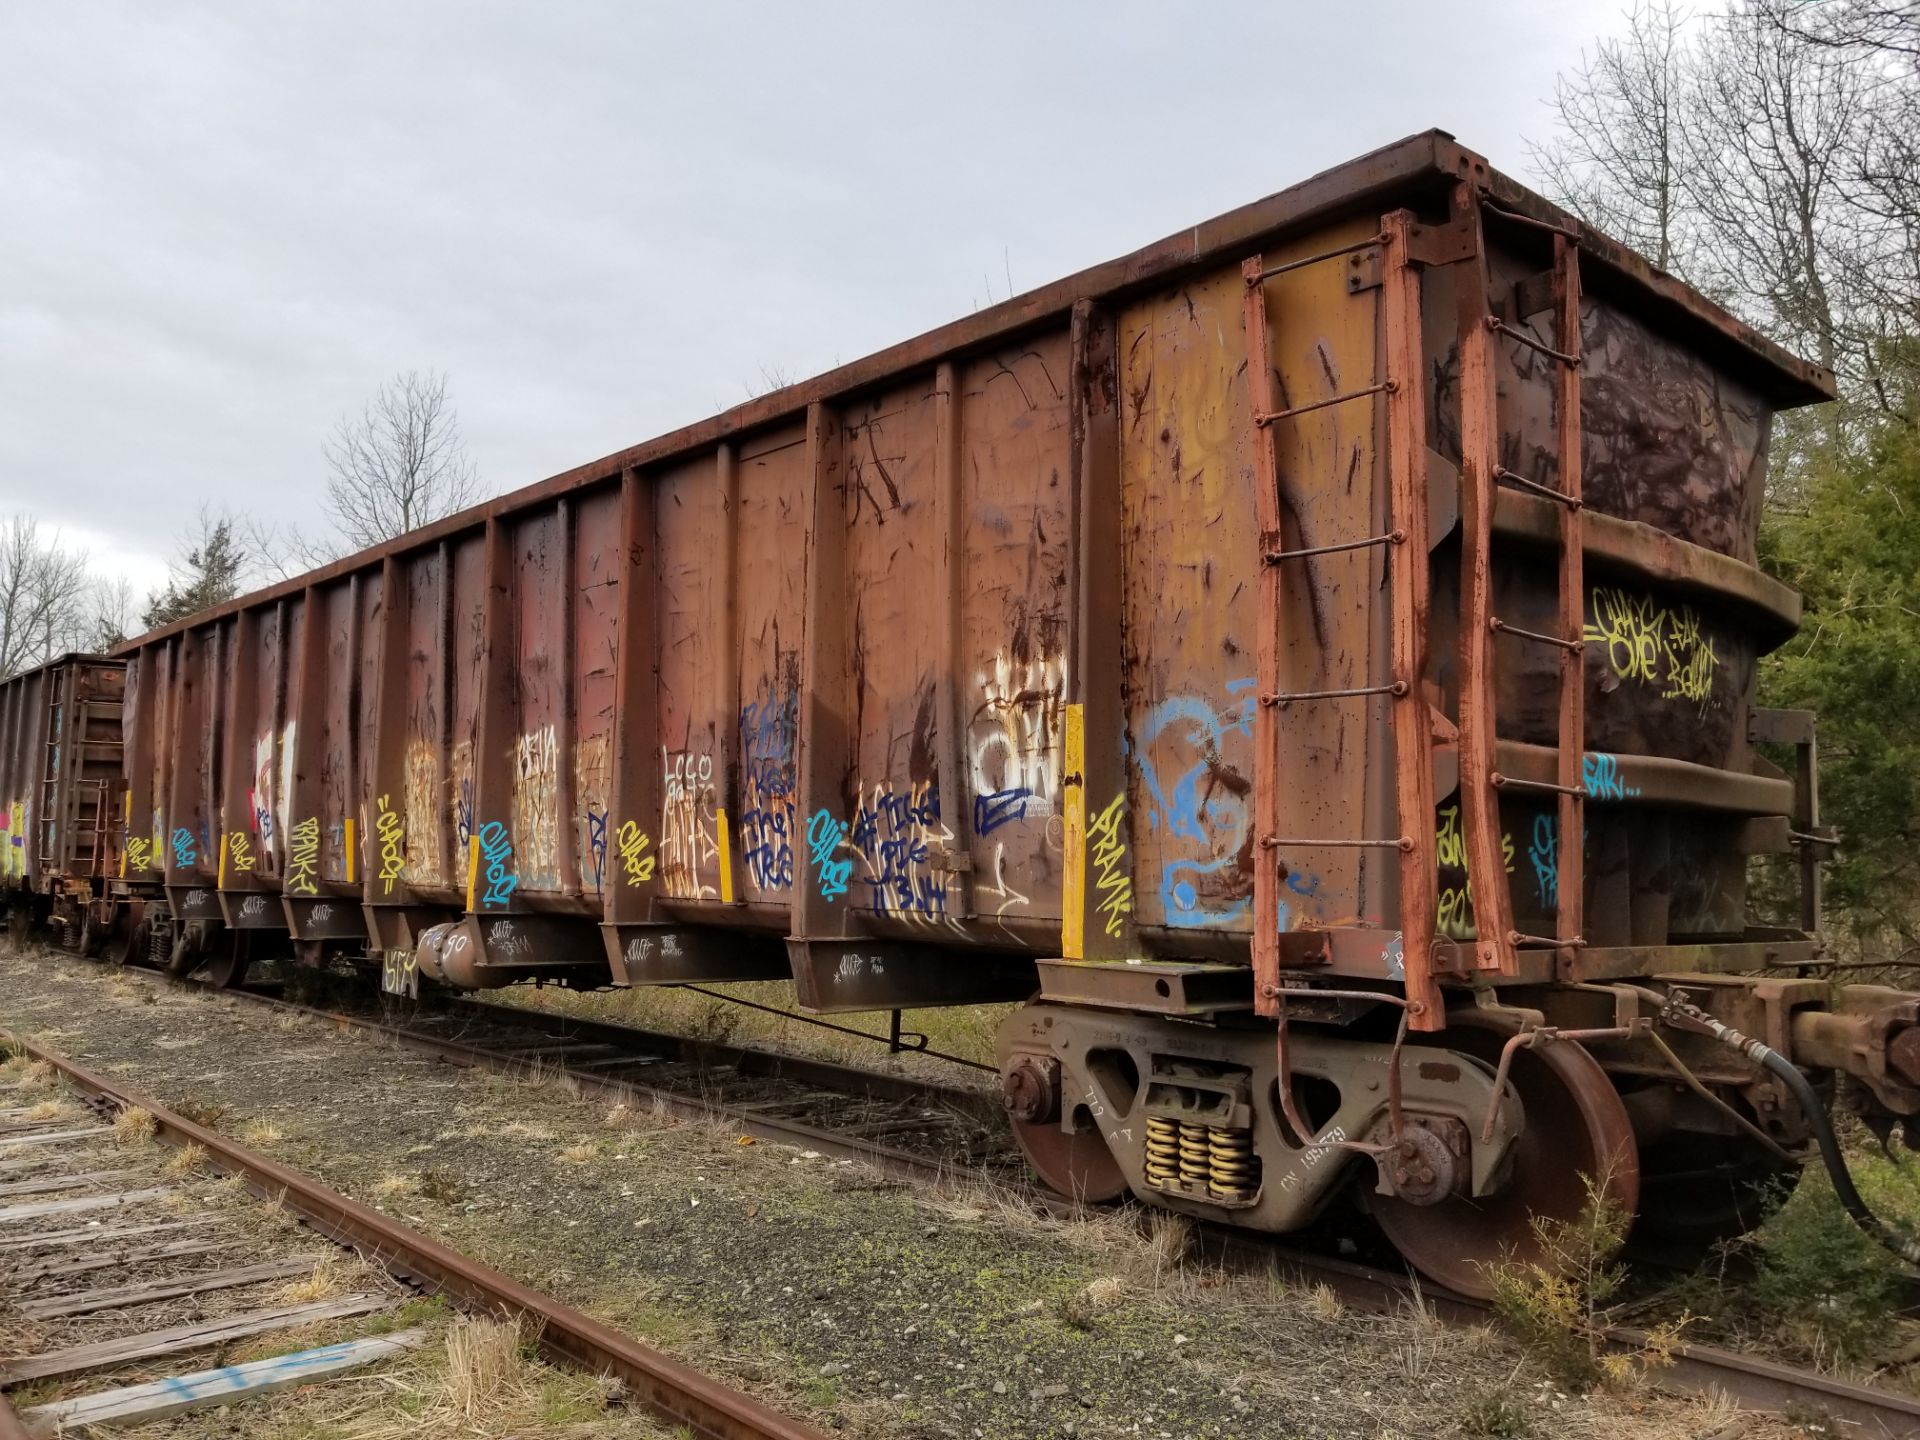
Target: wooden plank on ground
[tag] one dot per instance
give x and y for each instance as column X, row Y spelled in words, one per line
column 197, row 1336
column 39, row 1160
column 117, row 1297
column 24, row 1277
column 138, row 1404
column 54, row 1137
column 81, row 1203
column 55, row 1239
column 60, row 1182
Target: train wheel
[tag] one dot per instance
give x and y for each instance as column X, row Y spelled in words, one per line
column 126, row 940
column 1075, row 1163
column 228, row 965
column 94, row 936
column 1575, row 1127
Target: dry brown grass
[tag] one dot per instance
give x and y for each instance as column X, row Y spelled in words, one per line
column 187, row 1160
column 580, row 1154
column 134, row 1126
column 331, row 1276
column 262, row 1132
column 45, row 1110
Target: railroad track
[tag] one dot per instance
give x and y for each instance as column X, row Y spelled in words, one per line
column 925, row 1134
column 44, row 1278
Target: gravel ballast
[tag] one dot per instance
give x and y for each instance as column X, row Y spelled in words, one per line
column 856, row 1302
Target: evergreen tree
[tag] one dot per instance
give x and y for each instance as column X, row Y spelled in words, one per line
column 208, row 575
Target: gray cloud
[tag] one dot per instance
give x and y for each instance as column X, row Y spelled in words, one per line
column 225, row 225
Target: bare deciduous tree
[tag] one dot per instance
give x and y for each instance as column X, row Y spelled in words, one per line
column 1617, row 158
column 44, row 591
column 400, row 465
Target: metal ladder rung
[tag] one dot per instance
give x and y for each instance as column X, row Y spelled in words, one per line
column 1512, row 332
column 1516, row 939
column 1500, row 627
column 1397, row 688
column 1288, row 842
column 1392, row 537
column 1572, row 502
column 1281, row 269
column 1267, row 417
column 1516, row 782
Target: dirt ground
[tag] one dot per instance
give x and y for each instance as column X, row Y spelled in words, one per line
column 857, row 1303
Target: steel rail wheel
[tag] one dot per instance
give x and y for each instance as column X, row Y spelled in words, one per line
column 1075, row 1163
column 1575, row 1127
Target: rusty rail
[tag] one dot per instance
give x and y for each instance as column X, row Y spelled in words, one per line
column 679, row 1394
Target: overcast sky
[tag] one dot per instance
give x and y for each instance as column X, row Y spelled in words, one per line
column 221, row 227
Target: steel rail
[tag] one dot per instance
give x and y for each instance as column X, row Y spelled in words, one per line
column 681, row 1395
column 1754, row 1382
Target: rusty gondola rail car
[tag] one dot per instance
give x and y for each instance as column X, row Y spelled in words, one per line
column 60, row 787
column 1219, row 644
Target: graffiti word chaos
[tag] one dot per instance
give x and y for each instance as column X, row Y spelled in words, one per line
column 636, row 859
column 1653, row 644
column 392, row 838
column 496, row 849
column 139, row 852
column 240, row 853
column 1112, row 885
column 303, row 858
column 824, row 836
column 183, row 849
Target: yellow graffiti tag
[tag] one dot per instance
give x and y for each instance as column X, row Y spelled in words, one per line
column 139, row 852
column 1653, row 644
column 303, row 858
column 635, row 863
column 1110, row 881
column 1454, row 914
column 392, row 836
column 240, row 853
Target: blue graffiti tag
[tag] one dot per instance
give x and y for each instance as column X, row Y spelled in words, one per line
column 824, row 836
column 767, row 735
column 1601, row 775
column 1002, row 807
column 597, row 842
column 496, row 846
column 891, row 833
column 1206, row 802
column 1543, row 851
column 183, row 851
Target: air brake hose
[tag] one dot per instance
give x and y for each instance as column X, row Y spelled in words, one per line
column 1876, row 1229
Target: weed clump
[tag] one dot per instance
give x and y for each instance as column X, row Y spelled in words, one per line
column 1558, row 1305
column 1819, row 1278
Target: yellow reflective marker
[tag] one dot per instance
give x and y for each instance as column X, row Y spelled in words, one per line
column 1073, row 873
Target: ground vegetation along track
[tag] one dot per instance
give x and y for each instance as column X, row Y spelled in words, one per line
column 696, row 1078
column 704, row 1407
column 931, row 1133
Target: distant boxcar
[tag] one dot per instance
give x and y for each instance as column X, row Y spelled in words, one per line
column 61, row 786
column 1327, row 632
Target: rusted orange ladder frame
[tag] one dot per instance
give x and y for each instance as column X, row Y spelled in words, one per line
column 1405, row 545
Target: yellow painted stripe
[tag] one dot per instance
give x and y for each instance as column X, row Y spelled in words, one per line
column 1073, row 874
column 350, row 850
column 221, row 883
column 473, row 867
column 726, row 856
column 126, row 821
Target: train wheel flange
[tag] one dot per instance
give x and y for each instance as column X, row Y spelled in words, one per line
column 1575, row 1126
